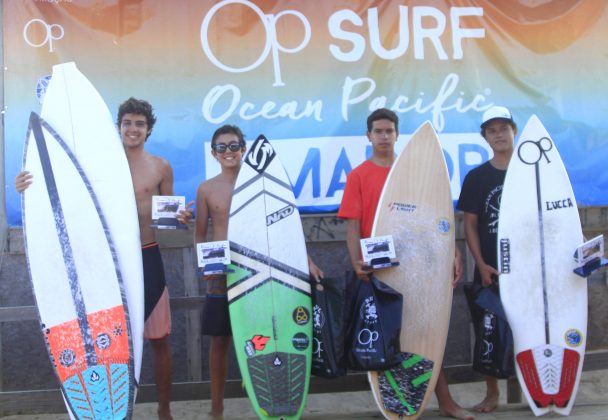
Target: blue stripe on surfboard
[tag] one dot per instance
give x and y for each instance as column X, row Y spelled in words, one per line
column 126, row 372
column 64, row 240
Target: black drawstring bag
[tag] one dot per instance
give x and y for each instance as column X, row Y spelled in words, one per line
column 493, row 353
column 374, row 326
column 328, row 328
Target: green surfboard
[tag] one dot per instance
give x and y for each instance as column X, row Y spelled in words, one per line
column 268, row 292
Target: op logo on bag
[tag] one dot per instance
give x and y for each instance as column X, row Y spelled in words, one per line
column 367, row 337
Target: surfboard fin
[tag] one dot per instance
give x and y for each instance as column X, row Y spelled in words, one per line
column 549, row 373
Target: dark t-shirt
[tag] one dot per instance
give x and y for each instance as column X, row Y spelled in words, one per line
column 480, row 194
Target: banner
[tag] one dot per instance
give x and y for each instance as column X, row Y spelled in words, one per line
column 308, row 73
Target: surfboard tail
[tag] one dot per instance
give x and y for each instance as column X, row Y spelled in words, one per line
column 549, row 373
column 278, row 382
column 100, row 390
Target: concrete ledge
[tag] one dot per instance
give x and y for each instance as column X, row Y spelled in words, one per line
column 50, row 401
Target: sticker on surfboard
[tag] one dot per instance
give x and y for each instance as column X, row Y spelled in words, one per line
column 261, row 154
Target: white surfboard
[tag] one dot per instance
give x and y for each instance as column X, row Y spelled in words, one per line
column 545, row 302
column 76, row 281
column 416, row 209
column 78, row 115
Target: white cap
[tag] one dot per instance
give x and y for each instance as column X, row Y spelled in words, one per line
column 496, row 112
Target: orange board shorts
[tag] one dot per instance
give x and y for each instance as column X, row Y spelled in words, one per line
column 158, row 324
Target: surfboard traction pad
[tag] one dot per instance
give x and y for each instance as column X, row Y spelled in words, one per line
column 98, row 391
column 404, row 386
column 278, row 381
column 549, row 373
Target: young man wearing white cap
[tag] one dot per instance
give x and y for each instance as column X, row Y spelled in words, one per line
column 480, row 202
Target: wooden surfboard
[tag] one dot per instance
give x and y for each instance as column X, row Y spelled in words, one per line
column 74, row 112
column 545, row 302
column 76, row 280
column 269, row 293
column 416, row 209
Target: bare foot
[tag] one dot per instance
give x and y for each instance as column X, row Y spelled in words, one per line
column 456, row 412
column 488, row 405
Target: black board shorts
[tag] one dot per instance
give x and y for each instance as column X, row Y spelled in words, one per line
column 154, row 277
column 215, row 317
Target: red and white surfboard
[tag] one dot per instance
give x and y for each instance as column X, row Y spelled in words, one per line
column 545, row 302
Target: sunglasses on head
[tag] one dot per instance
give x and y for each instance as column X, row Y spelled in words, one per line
column 221, row 147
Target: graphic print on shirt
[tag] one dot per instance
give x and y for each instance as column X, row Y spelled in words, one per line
column 492, row 207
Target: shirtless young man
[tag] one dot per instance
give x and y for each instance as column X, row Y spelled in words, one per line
column 213, row 198
column 151, row 175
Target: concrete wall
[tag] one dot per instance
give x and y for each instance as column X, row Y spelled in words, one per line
column 24, row 363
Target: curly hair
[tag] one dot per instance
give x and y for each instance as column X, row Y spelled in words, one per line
column 138, row 107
